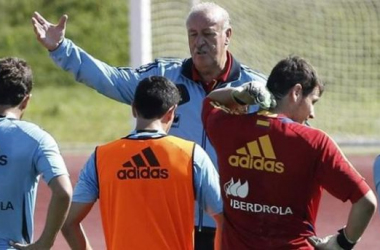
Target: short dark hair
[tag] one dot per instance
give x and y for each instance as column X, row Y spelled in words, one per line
column 290, row 71
column 154, row 96
column 16, row 80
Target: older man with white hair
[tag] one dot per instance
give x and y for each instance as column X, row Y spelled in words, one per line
column 211, row 66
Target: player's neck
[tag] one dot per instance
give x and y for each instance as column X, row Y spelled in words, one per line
column 145, row 124
column 10, row 112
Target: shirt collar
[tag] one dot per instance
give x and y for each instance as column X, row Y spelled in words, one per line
column 147, row 133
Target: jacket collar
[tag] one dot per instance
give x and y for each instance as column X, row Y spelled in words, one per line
column 232, row 76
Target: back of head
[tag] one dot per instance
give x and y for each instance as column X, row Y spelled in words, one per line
column 154, row 96
column 213, row 11
column 16, row 81
column 290, row 71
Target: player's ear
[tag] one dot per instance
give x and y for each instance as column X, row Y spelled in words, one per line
column 296, row 92
column 24, row 103
column 170, row 114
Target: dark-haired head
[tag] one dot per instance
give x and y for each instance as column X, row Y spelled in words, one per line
column 154, row 96
column 16, row 81
column 296, row 87
column 290, row 71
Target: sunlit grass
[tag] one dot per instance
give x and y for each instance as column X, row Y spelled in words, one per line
column 78, row 114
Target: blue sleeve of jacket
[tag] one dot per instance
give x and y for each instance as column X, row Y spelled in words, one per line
column 87, row 188
column 206, row 181
column 114, row 82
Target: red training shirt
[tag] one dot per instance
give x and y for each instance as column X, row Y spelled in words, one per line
column 272, row 173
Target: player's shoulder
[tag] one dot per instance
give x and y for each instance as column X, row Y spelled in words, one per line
column 310, row 134
column 179, row 141
column 32, row 131
column 111, row 145
column 27, row 126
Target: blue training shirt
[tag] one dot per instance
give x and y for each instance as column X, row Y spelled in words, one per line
column 26, row 152
column 206, row 179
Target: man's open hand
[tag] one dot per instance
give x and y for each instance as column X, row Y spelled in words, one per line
column 48, row 34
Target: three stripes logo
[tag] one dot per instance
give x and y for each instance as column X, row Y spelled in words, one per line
column 259, row 155
column 143, row 166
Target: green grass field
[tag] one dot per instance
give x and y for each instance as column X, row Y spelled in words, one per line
column 78, row 114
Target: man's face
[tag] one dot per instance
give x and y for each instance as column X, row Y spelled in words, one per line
column 304, row 108
column 208, row 41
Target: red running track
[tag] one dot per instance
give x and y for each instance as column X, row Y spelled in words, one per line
column 332, row 216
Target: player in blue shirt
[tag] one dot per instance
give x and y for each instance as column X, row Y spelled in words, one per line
column 205, row 177
column 26, row 152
